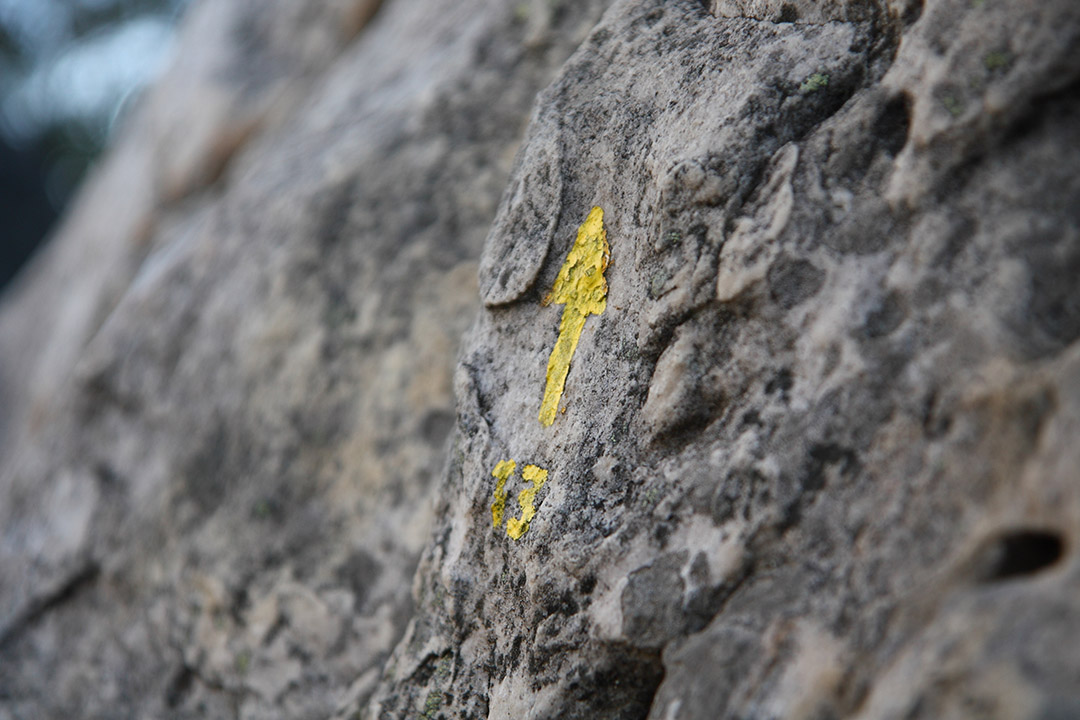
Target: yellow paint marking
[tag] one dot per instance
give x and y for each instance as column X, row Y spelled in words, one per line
column 515, row 528
column 581, row 287
column 502, row 472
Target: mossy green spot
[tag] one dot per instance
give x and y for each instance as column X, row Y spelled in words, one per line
column 953, row 104
column 242, row 662
column 997, row 60
column 432, row 704
column 442, row 670
column 816, row 81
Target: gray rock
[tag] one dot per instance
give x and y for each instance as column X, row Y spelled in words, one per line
column 815, row 458
column 241, row 401
column 807, row 464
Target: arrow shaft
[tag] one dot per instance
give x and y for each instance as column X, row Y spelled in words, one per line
column 558, row 367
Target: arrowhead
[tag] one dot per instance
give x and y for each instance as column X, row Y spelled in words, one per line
column 581, row 282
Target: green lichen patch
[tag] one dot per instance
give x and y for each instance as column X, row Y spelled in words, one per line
column 813, row 83
column 997, row 60
column 242, row 662
column 953, row 104
column 432, row 704
column 658, row 283
column 442, row 671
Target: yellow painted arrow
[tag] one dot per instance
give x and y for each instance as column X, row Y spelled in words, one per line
column 581, row 287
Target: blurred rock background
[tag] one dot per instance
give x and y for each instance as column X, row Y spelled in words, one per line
column 227, row 380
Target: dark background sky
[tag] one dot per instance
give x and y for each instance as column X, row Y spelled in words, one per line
column 68, row 70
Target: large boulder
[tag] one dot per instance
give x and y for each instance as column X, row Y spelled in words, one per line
column 766, row 405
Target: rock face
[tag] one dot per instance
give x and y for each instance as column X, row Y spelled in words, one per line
column 235, row 412
column 814, row 456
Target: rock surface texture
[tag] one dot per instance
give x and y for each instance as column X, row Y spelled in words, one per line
column 816, row 457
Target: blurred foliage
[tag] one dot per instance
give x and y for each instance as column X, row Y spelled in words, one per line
column 68, row 69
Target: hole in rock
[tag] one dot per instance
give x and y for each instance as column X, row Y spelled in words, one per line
column 179, row 687
column 912, row 12
column 1018, row 553
column 788, row 13
column 893, row 125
